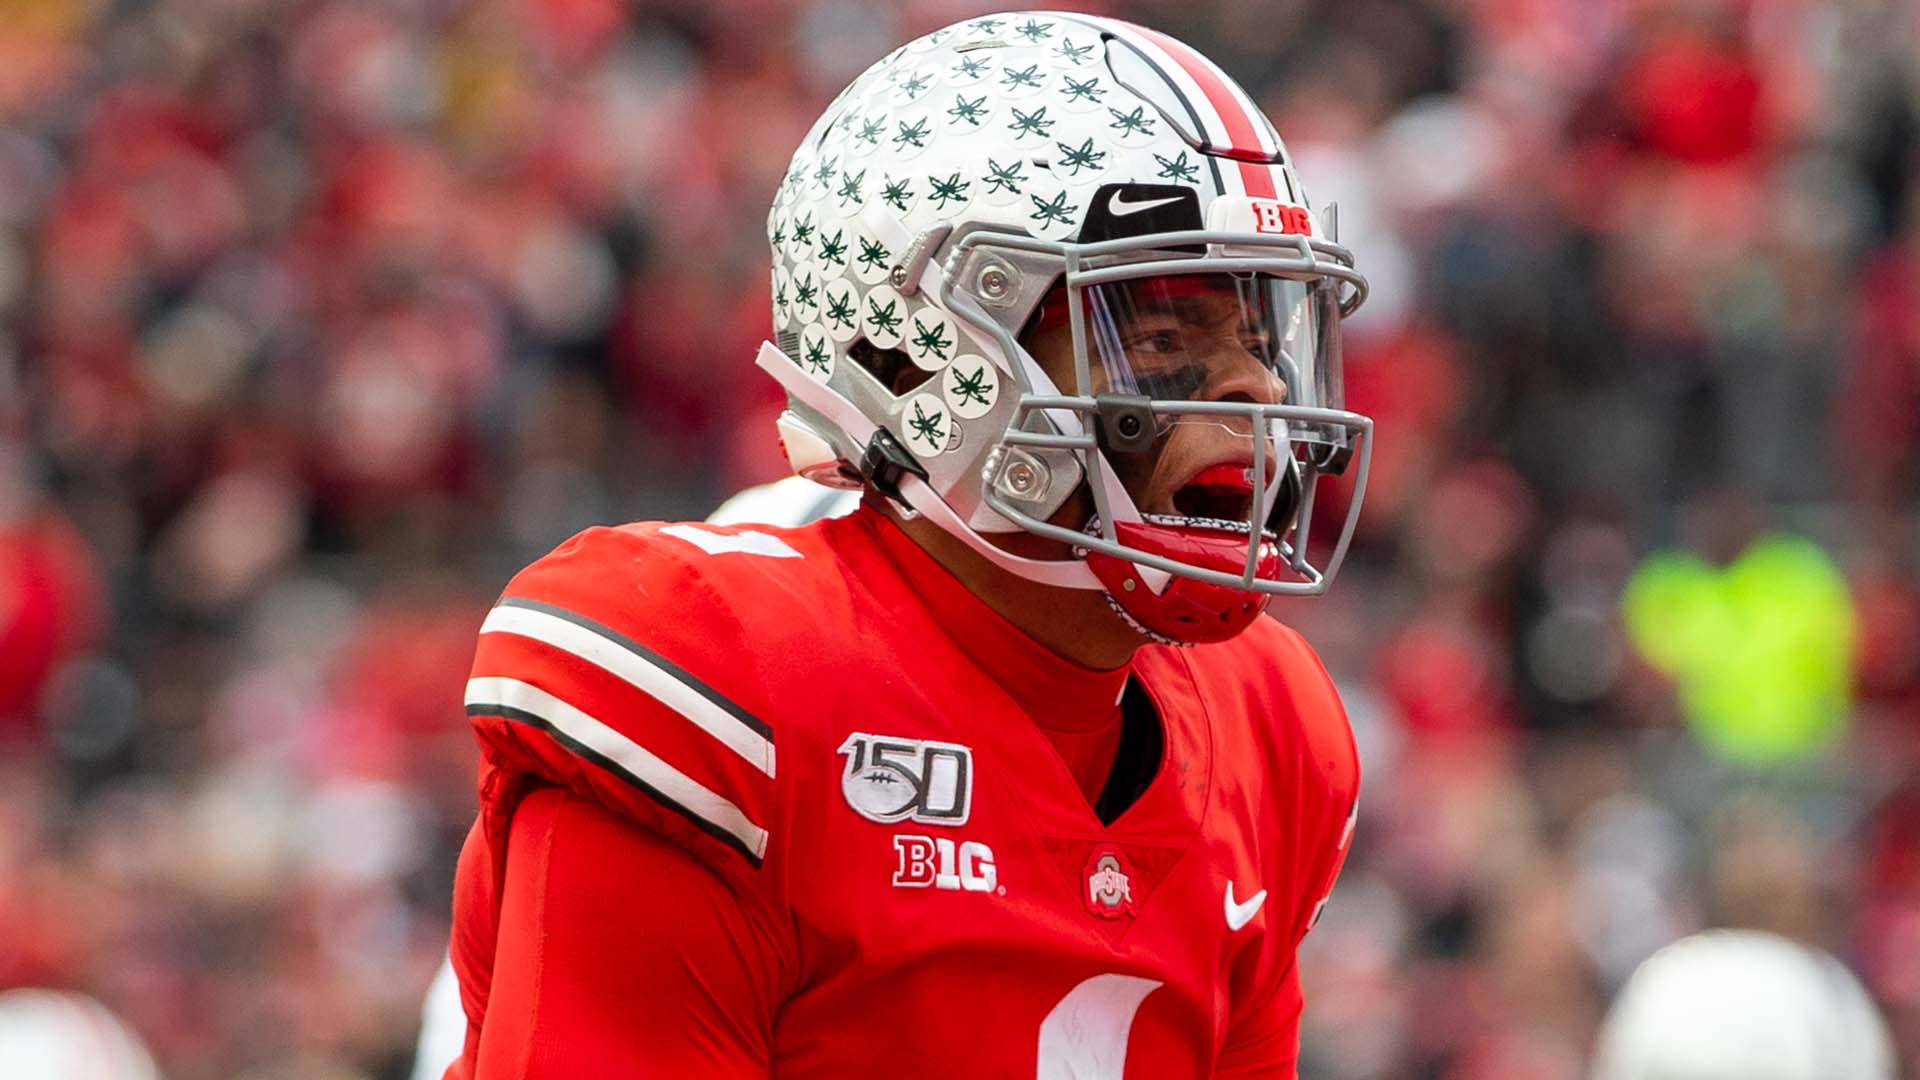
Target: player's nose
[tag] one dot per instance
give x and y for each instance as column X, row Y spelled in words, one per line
column 1236, row 374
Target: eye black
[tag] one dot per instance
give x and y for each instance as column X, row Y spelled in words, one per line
column 1174, row 384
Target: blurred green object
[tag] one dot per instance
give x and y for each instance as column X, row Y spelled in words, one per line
column 1762, row 650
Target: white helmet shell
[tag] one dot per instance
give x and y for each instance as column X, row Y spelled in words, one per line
column 788, row 503
column 56, row 1035
column 1743, row 1005
column 890, row 232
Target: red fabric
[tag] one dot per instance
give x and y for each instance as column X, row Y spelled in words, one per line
column 595, row 988
column 1088, row 754
column 605, row 932
column 1076, row 708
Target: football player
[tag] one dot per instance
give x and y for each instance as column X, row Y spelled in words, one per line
column 1001, row 774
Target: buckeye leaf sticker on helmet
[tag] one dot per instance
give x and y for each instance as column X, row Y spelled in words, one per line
column 883, row 317
column 971, row 387
column 840, row 309
column 932, row 339
column 929, row 429
column 816, row 352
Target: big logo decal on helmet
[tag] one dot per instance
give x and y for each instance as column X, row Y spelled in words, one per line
column 889, row 779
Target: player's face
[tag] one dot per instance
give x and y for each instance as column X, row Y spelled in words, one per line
column 1198, row 338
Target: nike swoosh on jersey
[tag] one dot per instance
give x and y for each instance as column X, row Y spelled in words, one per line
column 1239, row 915
column 1119, row 207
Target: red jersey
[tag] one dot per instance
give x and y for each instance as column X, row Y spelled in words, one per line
column 770, row 802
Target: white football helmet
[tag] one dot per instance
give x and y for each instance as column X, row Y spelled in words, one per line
column 1087, row 175
column 55, row 1035
column 1743, row 1005
column 789, row 502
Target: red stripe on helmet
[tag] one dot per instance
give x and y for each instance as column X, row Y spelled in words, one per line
column 1244, row 138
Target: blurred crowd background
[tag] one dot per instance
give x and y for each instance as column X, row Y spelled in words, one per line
column 319, row 318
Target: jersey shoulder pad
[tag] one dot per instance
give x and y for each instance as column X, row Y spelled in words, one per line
column 626, row 665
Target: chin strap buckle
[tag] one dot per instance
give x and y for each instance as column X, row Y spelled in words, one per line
column 885, row 462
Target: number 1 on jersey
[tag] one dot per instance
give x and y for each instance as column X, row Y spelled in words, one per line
column 1084, row 1037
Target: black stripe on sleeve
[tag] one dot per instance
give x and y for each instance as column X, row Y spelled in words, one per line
column 534, row 720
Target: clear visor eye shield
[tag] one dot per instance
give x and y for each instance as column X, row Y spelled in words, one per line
column 1215, row 351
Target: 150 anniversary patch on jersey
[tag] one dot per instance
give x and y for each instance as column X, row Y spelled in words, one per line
column 889, row 779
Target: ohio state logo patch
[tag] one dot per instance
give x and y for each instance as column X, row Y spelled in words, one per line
column 1109, row 891
column 889, row 779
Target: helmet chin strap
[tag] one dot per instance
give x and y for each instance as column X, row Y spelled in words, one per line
column 1118, row 501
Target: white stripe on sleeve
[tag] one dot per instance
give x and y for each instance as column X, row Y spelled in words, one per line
column 625, row 754
column 638, row 671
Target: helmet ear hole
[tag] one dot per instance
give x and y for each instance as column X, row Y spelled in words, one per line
column 892, row 368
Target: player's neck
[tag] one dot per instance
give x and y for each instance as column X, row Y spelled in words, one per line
column 1078, row 624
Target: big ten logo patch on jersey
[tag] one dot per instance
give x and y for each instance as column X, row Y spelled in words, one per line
column 890, row 779
column 938, row 862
